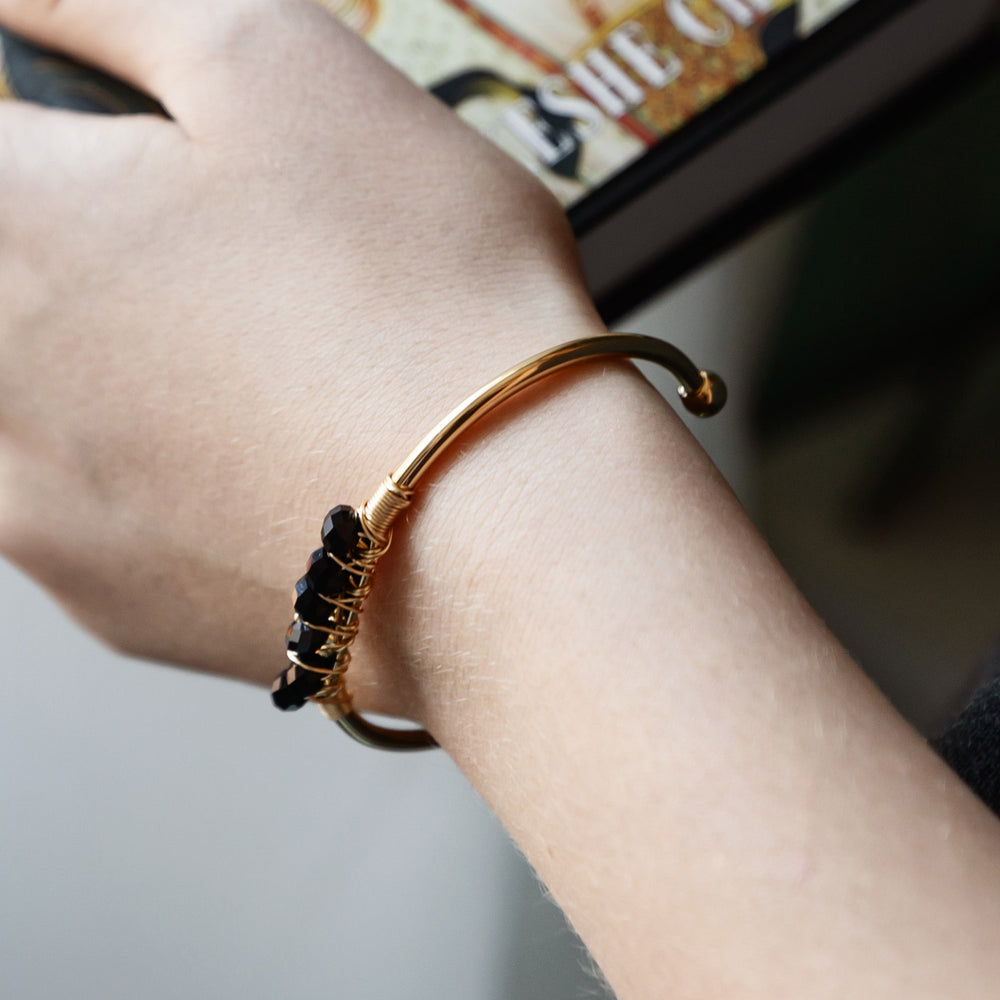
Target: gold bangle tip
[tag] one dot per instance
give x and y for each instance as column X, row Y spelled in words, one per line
column 708, row 399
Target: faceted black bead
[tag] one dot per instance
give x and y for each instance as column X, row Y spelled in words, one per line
column 341, row 532
column 305, row 643
column 309, row 606
column 326, row 576
column 282, row 698
column 294, row 687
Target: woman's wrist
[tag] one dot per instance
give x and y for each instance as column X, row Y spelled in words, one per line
column 595, row 632
column 474, row 562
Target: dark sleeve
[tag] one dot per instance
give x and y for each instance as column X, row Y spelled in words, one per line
column 970, row 744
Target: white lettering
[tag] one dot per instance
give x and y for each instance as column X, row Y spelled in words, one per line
column 696, row 29
column 631, row 43
column 737, row 10
column 596, row 89
column 616, row 77
column 589, row 118
column 523, row 123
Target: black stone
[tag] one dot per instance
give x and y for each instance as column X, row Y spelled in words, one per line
column 305, row 643
column 309, row 606
column 325, row 576
column 293, row 688
column 342, row 532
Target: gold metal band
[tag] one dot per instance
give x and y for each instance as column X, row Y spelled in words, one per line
column 703, row 394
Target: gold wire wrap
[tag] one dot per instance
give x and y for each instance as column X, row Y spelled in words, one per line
column 379, row 513
column 341, row 627
column 703, row 394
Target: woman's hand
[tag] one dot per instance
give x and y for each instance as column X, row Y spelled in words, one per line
column 215, row 327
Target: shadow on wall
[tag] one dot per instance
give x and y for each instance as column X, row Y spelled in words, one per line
column 878, row 414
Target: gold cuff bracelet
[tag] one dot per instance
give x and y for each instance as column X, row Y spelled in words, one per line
column 331, row 595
